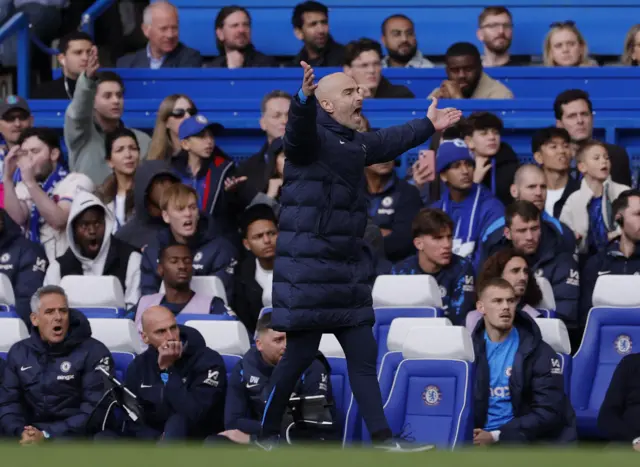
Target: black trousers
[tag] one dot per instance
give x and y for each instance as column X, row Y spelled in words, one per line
column 360, row 350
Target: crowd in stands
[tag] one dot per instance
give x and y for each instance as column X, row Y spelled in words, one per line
column 156, row 210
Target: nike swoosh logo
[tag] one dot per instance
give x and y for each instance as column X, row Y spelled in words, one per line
column 602, row 273
column 249, row 386
column 341, row 142
column 24, row 368
column 142, row 386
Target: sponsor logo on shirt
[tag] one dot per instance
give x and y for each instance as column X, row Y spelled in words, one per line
column 212, row 378
column 500, row 392
column 468, row 285
column 574, row 278
column 556, row 366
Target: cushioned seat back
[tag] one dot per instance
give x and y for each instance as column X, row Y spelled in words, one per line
column 182, row 318
column 230, row 361
column 207, row 285
column 548, row 301
column 93, row 291
column 7, row 296
column 12, row 330
column 225, row 337
column 554, row 332
column 122, row 360
column 118, row 335
column 406, row 291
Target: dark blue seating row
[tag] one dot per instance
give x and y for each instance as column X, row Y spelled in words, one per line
column 525, row 82
column 438, row 23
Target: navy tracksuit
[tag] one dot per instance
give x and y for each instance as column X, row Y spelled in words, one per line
column 456, row 283
column 324, row 270
column 187, row 401
column 244, row 406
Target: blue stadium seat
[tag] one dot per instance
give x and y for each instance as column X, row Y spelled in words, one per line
column 3, row 355
column 182, row 318
column 431, row 398
column 102, row 312
column 121, row 361
column 8, row 311
column 554, row 332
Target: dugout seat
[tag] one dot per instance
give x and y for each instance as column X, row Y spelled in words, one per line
column 554, row 332
column 547, row 306
column 95, row 296
column 7, row 297
column 341, row 389
column 208, row 285
column 121, row 337
column 12, row 330
column 612, row 331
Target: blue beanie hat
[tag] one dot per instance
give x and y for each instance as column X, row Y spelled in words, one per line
column 450, row 152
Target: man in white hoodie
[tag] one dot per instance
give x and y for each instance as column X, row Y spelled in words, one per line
column 94, row 252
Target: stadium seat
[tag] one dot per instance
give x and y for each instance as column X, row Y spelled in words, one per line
column 119, row 335
column 229, row 338
column 612, row 331
column 554, row 332
column 209, row 285
column 547, row 305
column 182, row 318
column 332, row 350
column 99, row 294
column 431, row 398
column 12, row 330
column 7, row 297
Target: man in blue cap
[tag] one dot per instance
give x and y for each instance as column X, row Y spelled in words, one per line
column 471, row 206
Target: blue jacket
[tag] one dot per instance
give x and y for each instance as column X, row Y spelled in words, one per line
column 324, row 270
column 494, row 240
column 194, row 391
column 213, row 255
column 456, row 283
column 245, row 399
column 54, row 388
column 541, row 409
column 472, row 216
column 394, row 208
column 23, row 262
column 608, row 261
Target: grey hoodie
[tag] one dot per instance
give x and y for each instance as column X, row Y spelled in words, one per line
column 85, row 141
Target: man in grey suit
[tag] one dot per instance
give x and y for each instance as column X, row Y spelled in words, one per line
column 164, row 50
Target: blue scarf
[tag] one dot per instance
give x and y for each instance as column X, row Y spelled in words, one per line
column 36, row 220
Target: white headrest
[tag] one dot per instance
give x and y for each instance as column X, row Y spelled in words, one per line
column 225, row 337
column 12, row 330
column 93, row 291
column 400, row 328
column 119, row 335
column 413, row 290
column 330, row 347
column 554, row 332
column 439, row 342
column 207, row 285
column 619, row 291
column 548, row 301
column 7, row 297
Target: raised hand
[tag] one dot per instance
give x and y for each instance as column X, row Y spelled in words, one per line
column 308, row 86
column 231, row 183
column 442, row 118
column 93, row 63
column 11, row 162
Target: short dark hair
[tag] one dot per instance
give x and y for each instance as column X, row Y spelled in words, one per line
column 493, row 10
column 264, row 322
column 222, row 15
column 430, row 221
column 396, row 16
column 546, row 135
column 111, row 138
column 254, row 213
column 47, row 135
column 63, row 46
column 297, row 18
column 479, row 121
column 460, row 49
column 354, row 48
column 277, row 94
column 110, row 77
column 622, row 201
column 568, row 96
column 172, row 244
column 498, row 282
column 524, row 209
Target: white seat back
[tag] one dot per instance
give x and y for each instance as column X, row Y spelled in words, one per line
column 93, row 291
column 411, row 291
column 12, row 330
column 548, row 301
column 617, row 291
column 119, row 335
column 330, row 347
column 225, row 337
column 206, row 285
column 439, row 342
column 554, row 332
column 7, row 297
column 400, row 327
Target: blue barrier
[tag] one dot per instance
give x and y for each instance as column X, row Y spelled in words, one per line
column 89, row 16
column 525, row 82
column 438, row 23
column 19, row 24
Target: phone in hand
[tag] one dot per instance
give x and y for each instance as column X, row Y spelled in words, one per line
column 427, row 163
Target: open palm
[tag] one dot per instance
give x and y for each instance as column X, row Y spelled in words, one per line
column 442, row 118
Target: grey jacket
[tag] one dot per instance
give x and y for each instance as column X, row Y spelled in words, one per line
column 84, row 139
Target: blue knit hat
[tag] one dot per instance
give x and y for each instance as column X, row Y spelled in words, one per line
column 450, row 152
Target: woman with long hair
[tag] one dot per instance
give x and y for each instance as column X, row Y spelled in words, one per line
column 165, row 142
column 513, row 268
column 565, row 46
column 116, row 192
column 631, row 52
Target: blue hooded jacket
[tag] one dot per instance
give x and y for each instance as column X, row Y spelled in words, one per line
column 194, row 391
column 541, row 408
column 55, row 387
column 472, row 216
column 324, row 270
column 456, row 283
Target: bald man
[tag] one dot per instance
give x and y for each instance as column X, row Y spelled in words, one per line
column 324, row 271
column 164, row 50
column 529, row 184
column 179, row 382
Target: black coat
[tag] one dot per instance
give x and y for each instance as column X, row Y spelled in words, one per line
column 181, row 57
column 247, row 301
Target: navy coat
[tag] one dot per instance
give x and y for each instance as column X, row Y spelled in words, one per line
column 324, row 270
column 54, row 388
column 181, row 57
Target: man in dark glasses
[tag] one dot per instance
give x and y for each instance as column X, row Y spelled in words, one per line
column 15, row 116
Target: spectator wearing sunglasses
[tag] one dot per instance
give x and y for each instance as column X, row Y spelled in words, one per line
column 15, row 116
column 165, row 142
column 565, row 46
